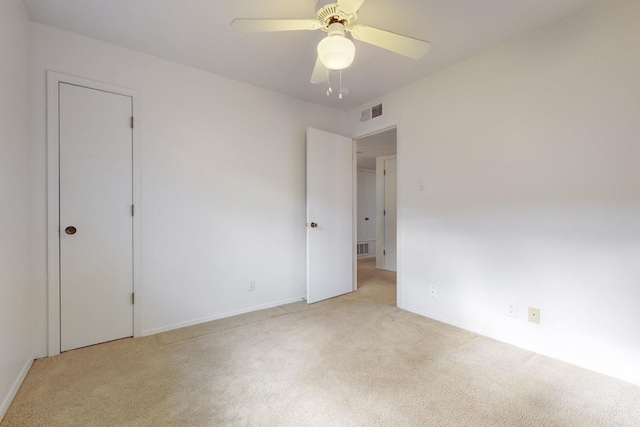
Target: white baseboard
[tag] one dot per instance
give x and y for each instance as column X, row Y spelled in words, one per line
column 633, row 378
column 14, row 388
column 219, row 316
column 479, row 331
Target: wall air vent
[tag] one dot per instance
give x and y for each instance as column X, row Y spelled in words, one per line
column 376, row 111
column 371, row 113
column 363, row 249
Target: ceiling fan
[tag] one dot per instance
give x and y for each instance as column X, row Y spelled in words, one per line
column 336, row 51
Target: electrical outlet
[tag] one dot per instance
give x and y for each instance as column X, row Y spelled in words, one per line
column 534, row 315
column 433, row 291
column 252, row 285
column 512, row 308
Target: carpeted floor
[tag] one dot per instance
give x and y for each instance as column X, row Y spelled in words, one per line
column 355, row 360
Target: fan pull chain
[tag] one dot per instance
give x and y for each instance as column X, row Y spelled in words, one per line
column 328, row 89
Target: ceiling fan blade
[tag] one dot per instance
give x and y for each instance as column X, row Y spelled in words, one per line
column 349, row 6
column 319, row 74
column 407, row 46
column 268, row 25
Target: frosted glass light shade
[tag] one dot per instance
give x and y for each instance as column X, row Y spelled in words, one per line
column 336, row 52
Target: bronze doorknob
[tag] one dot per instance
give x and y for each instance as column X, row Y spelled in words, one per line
column 70, row 230
column 314, row 225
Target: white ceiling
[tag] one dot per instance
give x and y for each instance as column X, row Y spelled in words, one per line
column 197, row 33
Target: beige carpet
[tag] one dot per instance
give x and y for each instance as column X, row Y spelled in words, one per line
column 355, row 360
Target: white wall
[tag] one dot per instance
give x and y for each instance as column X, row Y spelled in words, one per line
column 222, row 177
column 16, row 291
column 530, row 159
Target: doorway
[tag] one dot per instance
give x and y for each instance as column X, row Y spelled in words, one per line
column 376, row 207
column 93, row 229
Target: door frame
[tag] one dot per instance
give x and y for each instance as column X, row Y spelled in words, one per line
column 399, row 147
column 53, row 202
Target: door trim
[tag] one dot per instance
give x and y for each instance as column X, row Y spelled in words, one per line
column 53, row 203
column 399, row 218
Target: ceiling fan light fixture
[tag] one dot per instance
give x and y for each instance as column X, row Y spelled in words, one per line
column 336, row 52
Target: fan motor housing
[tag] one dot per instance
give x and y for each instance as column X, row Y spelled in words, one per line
column 330, row 14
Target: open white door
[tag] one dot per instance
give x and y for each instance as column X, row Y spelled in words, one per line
column 330, row 241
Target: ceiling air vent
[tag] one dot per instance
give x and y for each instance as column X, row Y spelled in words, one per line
column 376, row 111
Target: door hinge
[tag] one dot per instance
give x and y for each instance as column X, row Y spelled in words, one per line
column 133, row 297
column 132, row 210
column 384, row 212
column 384, row 252
column 385, row 172
column 131, row 122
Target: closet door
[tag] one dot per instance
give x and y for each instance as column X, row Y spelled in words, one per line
column 96, row 223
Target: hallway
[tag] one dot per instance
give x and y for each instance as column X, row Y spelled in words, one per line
column 376, row 285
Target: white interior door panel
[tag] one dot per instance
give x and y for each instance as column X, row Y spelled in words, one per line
column 330, row 234
column 96, row 224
